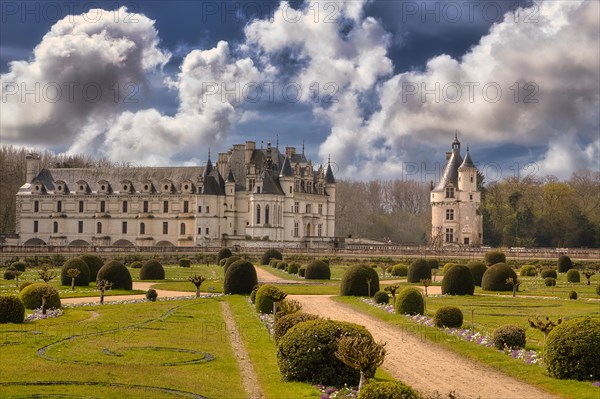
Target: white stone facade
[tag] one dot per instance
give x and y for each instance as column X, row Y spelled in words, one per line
column 266, row 196
column 455, row 202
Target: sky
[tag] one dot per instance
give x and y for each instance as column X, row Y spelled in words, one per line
column 379, row 87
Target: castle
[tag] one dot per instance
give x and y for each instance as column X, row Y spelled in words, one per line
column 250, row 195
column 455, row 201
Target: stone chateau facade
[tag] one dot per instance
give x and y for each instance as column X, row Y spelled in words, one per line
column 251, row 195
column 455, row 202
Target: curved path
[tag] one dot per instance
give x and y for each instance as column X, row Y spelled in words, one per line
column 423, row 365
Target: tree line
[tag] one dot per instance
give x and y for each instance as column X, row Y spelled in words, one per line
column 525, row 212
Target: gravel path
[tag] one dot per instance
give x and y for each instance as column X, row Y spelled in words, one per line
column 249, row 377
column 423, row 365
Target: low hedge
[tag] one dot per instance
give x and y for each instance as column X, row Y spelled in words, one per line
column 387, row 390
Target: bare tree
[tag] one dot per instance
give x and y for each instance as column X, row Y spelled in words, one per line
column 73, row 273
column 362, row 354
column 103, row 285
column 197, row 280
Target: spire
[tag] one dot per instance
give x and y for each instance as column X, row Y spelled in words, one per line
column 230, row 178
column 286, row 168
column 277, row 142
column 329, row 173
column 208, row 168
column 467, row 162
column 302, row 147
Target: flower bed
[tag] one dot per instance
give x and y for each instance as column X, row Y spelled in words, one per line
column 335, row 393
column 38, row 315
column 528, row 356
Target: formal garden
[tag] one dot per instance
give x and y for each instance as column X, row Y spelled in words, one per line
column 229, row 325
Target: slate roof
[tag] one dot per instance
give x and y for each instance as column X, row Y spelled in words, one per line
column 467, row 163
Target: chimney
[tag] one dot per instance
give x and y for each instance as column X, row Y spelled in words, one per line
column 250, row 147
column 289, row 151
column 33, row 166
column 222, row 163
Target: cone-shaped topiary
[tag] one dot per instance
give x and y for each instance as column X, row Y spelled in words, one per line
column 293, row 268
column 458, row 281
column 224, row 253
column 410, row 301
column 19, row 265
column 228, row 262
column 572, row 350
column 270, row 254
column 317, row 270
column 399, row 270
column 31, row 296
column 264, row 298
column 494, row 278
column 116, row 273
column 477, row 269
column 240, row 278
column 387, row 390
column 493, row 257
column 82, row 280
column 547, row 272
column 359, row 280
column 418, row 270
column 448, row 316
column 12, row 309
column 564, row 264
column 573, row 276
column 284, row 323
column 528, row 271
column 509, row 336
column 152, row 270
column 306, row 353
column 94, row 263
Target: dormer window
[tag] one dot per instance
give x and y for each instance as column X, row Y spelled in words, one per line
column 61, row 187
column 82, row 187
column 449, row 192
column 126, row 187
column 148, row 187
column 104, row 187
column 167, row 186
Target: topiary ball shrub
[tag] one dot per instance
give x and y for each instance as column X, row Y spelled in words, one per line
column 12, row 309
column 306, row 353
column 399, row 270
column 240, row 278
column 387, row 390
column 151, row 295
column 115, row 272
column 547, row 272
column 418, row 270
column 318, row 270
column 302, row 271
column 284, row 323
column 550, row 282
column 94, row 262
column 410, row 301
column 9, row 274
column 185, row 262
column 152, row 270
column 24, row 284
column 228, row 262
column 528, row 271
column 572, row 295
column 509, row 336
column 282, row 265
column 477, row 270
column 83, row 280
column 293, row 268
column 572, row 350
column 493, row 257
column 573, row 276
column 494, row 278
column 381, row 297
column 359, row 280
column 458, row 281
column 223, row 253
column 31, row 296
column 136, row 265
column 264, row 298
column 447, row 267
column 270, row 254
column 433, row 263
column 448, row 316
column 564, row 264
column 20, row 266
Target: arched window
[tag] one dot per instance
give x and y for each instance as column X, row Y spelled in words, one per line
column 99, row 228
column 257, row 214
column 142, row 228
column 182, row 228
column 55, row 227
column 267, row 214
